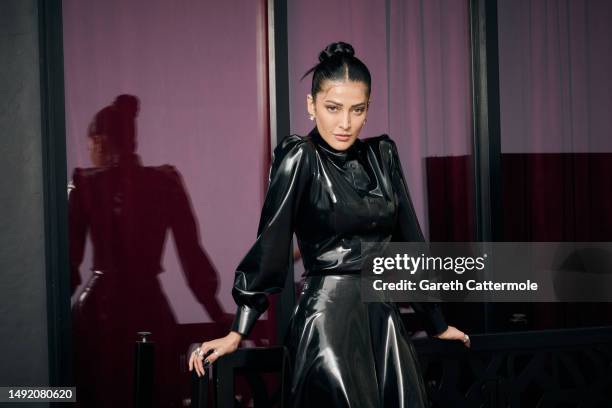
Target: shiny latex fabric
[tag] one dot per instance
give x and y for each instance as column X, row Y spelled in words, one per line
column 334, row 201
column 347, row 353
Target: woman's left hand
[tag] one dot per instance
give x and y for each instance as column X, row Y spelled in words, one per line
column 453, row 333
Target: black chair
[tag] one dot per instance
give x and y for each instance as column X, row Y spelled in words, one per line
column 248, row 361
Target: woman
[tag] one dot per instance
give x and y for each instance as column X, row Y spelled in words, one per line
column 334, row 191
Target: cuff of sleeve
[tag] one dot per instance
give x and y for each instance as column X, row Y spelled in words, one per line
column 245, row 320
column 437, row 323
column 431, row 317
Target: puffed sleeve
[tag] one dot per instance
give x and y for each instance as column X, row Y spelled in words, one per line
column 199, row 271
column 407, row 229
column 264, row 268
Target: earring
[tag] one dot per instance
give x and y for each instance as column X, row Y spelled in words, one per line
column 311, row 117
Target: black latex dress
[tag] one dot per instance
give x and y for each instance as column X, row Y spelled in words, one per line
column 345, row 353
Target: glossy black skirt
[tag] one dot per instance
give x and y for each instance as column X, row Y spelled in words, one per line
column 346, row 353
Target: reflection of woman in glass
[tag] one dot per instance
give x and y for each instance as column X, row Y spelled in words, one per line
column 335, row 191
column 127, row 210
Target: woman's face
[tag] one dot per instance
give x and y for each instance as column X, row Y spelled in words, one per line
column 340, row 110
column 98, row 150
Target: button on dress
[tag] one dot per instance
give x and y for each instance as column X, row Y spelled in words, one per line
column 345, row 353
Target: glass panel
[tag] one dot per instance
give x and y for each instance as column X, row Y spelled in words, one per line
column 167, row 140
column 555, row 61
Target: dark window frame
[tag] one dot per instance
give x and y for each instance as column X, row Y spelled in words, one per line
column 55, row 197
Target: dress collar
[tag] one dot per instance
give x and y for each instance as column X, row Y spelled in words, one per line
column 338, row 156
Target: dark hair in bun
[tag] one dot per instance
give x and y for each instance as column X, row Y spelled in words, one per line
column 127, row 106
column 118, row 123
column 338, row 62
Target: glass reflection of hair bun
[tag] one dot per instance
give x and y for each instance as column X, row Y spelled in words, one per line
column 127, row 105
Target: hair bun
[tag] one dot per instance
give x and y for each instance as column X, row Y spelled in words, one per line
column 127, row 105
column 340, row 49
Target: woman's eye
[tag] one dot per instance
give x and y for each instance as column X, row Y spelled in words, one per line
column 359, row 111
column 332, row 108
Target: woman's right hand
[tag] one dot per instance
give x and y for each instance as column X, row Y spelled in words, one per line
column 216, row 348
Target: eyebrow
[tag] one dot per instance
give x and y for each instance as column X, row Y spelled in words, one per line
column 339, row 104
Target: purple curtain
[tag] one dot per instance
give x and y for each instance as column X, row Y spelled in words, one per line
column 556, row 97
column 430, row 111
